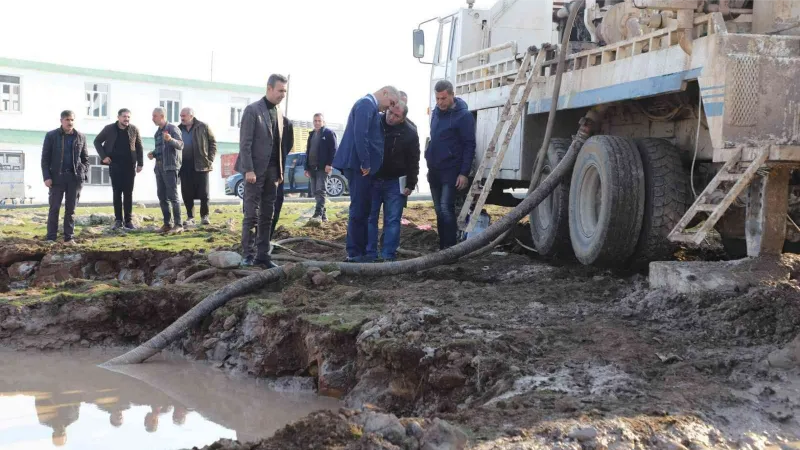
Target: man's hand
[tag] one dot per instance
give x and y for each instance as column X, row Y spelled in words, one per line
column 461, row 182
column 167, row 137
column 250, row 177
column 106, row 160
column 364, row 172
column 48, row 183
column 406, row 192
column 307, row 174
column 138, row 169
column 328, row 170
column 150, row 155
column 280, row 180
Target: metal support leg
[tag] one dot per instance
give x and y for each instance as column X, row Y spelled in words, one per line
column 767, row 205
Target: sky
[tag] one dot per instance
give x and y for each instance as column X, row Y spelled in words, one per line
column 335, row 52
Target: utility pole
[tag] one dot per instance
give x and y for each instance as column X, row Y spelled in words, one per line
column 288, row 91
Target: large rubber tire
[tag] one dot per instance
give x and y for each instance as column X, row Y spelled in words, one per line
column 606, row 201
column 667, row 197
column 550, row 220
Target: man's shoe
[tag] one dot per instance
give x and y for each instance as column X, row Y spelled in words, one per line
column 117, row 225
column 324, row 216
column 205, row 221
column 69, row 242
column 247, row 261
column 178, row 229
column 317, row 214
column 129, row 226
column 264, row 264
column 165, row 229
column 188, row 222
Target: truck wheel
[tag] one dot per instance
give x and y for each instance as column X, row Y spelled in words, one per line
column 666, row 198
column 606, row 201
column 550, row 220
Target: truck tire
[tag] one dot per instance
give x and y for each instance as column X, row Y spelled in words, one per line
column 606, row 201
column 550, row 220
column 666, row 200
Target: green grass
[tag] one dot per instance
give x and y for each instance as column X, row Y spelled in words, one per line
column 67, row 291
column 223, row 232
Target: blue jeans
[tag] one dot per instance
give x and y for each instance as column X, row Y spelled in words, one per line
column 443, row 191
column 388, row 194
column 360, row 205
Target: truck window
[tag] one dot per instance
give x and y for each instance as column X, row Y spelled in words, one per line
column 445, row 32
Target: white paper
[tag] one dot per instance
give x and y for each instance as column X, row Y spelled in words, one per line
column 402, row 181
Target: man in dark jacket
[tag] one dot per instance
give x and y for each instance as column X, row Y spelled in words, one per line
column 120, row 147
column 393, row 183
column 65, row 166
column 449, row 155
column 199, row 150
column 261, row 161
column 169, row 144
column 320, row 149
column 359, row 156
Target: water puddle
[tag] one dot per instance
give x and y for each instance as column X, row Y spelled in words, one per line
column 63, row 400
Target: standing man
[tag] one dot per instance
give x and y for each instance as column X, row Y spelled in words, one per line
column 400, row 166
column 65, row 166
column 404, row 103
column 286, row 143
column 167, row 154
column 120, row 147
column 359, row 156
column 320, row 149
column 261, row 160
column 199, row 150
column 449, row 155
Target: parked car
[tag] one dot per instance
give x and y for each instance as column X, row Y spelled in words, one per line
column 336, row 184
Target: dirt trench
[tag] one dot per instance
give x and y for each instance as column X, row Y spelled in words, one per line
column 516, row 352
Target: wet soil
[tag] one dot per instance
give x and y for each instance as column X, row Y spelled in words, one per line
column 515, row 351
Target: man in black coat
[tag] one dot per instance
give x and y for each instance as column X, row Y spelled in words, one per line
column 320, row 149
column 65, row 166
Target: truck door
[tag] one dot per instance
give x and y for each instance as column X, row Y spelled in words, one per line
column 444, row 61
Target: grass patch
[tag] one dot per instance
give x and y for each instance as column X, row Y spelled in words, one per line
column 345, row 319
column 67, row 291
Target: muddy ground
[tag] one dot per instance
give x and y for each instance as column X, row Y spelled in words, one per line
column 505, row 351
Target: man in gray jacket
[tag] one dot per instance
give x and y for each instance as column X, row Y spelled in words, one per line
column 167, row 154
column 261, row 162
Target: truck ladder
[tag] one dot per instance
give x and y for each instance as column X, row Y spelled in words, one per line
column 479, row 191
column 728, row 172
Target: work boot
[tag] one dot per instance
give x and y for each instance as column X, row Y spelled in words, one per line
column 188, row 222
column 324, row 215
column 117, row 225
column 205, row 221
column 165, row 229
column 175, row 230
column 247, row 261
column 129, row 225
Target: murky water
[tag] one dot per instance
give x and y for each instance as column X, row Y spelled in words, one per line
column 64, row 400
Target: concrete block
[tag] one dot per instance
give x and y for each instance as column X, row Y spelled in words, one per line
column 690, row 277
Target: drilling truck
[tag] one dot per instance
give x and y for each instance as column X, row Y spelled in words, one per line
column 700, row 124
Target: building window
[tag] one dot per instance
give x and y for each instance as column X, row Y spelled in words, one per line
column 97, row 100
column 171, row 101
column 237, row 106
column 9, row 93
column 12, row 161
column 98, row 173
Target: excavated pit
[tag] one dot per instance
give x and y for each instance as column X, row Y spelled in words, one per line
column 503, row 351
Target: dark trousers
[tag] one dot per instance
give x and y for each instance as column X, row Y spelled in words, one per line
column 443, row 191
column 278, row 206
column 167, row 190
column 360, row 207
column 316, row 180
column 385, row 193
column 122, row 178
column 259, row 206
column 66, row 187
column 194, row 186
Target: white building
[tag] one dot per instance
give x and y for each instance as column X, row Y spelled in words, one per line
column 33, row 94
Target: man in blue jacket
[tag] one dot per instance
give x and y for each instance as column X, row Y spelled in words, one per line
column 449, row 155
column 320, row 149
column 359, row 156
